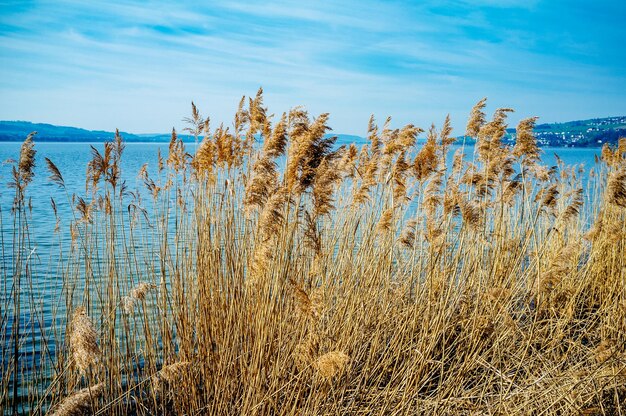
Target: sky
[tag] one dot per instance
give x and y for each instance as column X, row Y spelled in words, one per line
column 137, row 66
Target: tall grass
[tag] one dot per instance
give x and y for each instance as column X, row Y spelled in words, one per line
column 274, row 273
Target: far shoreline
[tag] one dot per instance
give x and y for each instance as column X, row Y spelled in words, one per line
column 459, row 142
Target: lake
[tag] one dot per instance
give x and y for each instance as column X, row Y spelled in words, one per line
column 72, row 159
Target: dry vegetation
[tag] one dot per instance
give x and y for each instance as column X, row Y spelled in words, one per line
column 274, row 273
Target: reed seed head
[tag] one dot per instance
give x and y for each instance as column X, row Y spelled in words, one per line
column 80, row 403
column 83, row 340
column 332, row 364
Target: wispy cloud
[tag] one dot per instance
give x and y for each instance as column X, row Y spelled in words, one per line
column 137, row 65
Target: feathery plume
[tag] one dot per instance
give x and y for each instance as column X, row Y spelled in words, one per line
column 84, row 209
column 257, row 113
column 445, row 134
column 525, row 142
column 548, row 197
column 55, row 173
column 306, row 351
column 271, row 218
column 471, row 214
column 326, row 177
column 540, row 172
column 489, row 143
column 204, row 159
column 160, row 164
column 372, row 135
column 426, row 160
column 616, row 188
column 241, row 118
column 561, row 265
column 197, row 124
column 176, row 157
column 138, row 293
column 398, row 173
column 275, row 144
column 408, row 136
column 457, row 162
column 477, row 118
column 264, row 180
column 451, row 198
column 83, row 340
column 169, row 375
column 79, row 403
column 302, row 298
column 385, row 222
column 368, row 172
column 573, row 208
column 407, row 237
column 118, row 146
column 510, row 189
column 313, row 237
column 308, row 305
column 331, row 364
column 347, row 163
column 26, row 164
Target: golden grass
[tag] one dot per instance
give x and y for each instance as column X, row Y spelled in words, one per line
column 379, row 280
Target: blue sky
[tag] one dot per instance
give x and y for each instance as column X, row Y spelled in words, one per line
column 137, row 65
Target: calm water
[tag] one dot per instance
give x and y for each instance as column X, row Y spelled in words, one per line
column 72, row 159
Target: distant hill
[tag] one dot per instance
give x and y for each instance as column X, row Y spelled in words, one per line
column 18, row 130
column 581, row 133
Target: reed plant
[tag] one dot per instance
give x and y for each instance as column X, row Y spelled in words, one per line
column 273, row 272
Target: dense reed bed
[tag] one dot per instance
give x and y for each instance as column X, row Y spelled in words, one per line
column 272, row 272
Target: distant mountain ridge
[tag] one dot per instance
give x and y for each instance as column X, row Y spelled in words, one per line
column 580, row 133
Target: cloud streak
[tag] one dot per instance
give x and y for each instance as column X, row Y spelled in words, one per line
column 136, row 66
